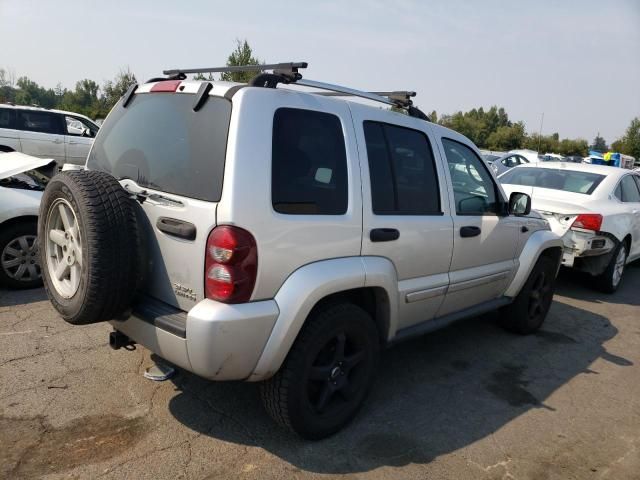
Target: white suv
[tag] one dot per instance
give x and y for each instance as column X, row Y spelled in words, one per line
column 248, row 232
column 64, row 136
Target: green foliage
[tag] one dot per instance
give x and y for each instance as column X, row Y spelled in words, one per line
column 629, row 144
column 506, row 137
column 599, row 144
column 477, row 124
column 242, row 55
column 88, row 98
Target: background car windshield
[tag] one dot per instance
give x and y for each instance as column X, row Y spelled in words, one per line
column 159, row 142
column 555, row 179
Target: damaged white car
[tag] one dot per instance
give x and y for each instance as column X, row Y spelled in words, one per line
column 594, row 208
column 22, row 180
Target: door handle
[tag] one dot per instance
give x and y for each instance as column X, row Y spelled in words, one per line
column 384, row 234
column 177, row 228
column 72, row 142
column 470, row 231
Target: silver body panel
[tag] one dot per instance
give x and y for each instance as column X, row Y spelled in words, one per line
column 429, row 272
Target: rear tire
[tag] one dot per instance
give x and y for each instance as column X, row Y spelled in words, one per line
column 89, row 246
column 19, row 259
column 327, row 374
column 529, row 309
column 609, row 280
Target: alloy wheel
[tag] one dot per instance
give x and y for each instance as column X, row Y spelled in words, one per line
column 618, row 268
column 63, row 248
column 335, row 376
column 19, row 259
column 539, row 295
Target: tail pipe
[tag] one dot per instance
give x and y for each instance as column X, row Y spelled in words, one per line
column 118, row 340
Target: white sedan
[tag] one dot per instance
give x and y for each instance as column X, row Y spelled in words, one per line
column 22, row 180
column 594, row 208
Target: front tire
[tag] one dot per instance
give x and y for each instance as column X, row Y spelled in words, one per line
column 609, row 280
column 529, row 309
column 327, row 374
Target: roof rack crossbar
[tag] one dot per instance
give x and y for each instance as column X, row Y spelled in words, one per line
column 291, row 67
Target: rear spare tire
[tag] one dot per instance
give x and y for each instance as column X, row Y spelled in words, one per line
column 89, row 246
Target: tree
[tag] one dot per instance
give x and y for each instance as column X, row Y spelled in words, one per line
column 629, row 144
column 506, row 137
column 599, row 144
column 200, row 76
column 242, row 55
column 113, row 90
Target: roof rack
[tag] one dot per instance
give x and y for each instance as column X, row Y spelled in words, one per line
column 288, row 73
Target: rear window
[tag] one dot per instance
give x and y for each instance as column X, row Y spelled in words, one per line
column 161, row 143
column 555, row 179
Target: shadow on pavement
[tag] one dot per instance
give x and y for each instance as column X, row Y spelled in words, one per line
column 10, row 298
column 434, row 395
column 574, row 284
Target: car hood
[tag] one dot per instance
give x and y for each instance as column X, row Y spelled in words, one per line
column 12, row 163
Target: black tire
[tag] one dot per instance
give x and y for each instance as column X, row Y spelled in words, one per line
column 295, row 399
column 19, row 260
column 527, row 312
column 109, row 240
column 607, row 281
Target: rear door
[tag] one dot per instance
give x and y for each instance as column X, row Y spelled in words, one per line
column 630, row 189
column 485, row 240
column 159, row 145
column 41, row 134
column 406, row 214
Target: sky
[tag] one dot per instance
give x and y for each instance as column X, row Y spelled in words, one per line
column 578, row 62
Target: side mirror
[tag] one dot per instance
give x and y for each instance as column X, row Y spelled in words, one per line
column 519, row 204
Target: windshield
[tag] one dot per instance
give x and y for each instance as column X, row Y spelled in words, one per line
column 160, row 142
column 555, row 179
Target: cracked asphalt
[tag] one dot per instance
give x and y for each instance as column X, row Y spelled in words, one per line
column 467, row 402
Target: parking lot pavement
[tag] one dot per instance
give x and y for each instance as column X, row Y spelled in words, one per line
column 468, row 402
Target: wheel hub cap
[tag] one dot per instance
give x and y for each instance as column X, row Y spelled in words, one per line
column 19, row 259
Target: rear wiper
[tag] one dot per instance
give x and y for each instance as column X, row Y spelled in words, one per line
column 141, row 194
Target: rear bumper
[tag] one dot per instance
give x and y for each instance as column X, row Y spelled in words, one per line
column 582, row 244
column 214, row 340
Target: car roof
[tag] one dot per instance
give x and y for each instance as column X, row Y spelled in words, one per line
column 223, row 88
column 42, row 109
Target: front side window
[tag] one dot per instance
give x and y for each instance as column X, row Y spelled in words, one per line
column 473, row 188
column 42, row 122
column 629, row 189
column 309, row 163
column 78, row 127
column 402, row 171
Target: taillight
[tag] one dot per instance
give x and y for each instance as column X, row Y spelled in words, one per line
column 231, row 264
column 588, row 221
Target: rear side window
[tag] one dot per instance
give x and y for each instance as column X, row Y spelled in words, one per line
column 402, row 171
column 161, row 143
column 309, row 163
column 41, row 122
column 7, row 118
column 629, row 189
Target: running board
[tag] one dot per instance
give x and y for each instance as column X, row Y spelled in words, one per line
column 441, row 322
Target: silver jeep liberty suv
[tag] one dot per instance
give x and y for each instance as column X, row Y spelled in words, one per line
column 259, row 232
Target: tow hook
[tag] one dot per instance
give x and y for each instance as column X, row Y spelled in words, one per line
column 118, row 340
